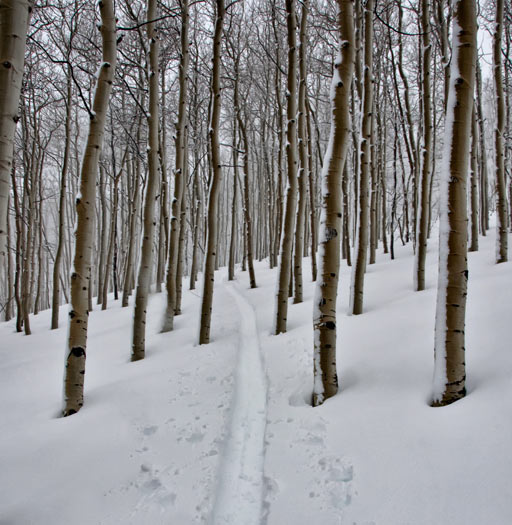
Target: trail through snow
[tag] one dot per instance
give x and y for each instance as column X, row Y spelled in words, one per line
column 239, row 496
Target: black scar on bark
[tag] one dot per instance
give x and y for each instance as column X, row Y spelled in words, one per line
column 77, row 351
column 330, row 325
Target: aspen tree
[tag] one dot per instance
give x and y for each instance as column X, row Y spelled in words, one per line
column 312, row 199
column 14, row 19
column 484, row 198
column 473, row 194
column 234, row 218
column 62, row 204
column 163, row 230
column 112, row 234
column 324, row 317
column 420, row 255
column 181, row 239
column 133, row 214
column 213, row 200
column 303, row 157
column 501, row 187
column 81, row 276
column 285, row 261
column 146, row 258
column 246, row 185
column 179, row 178
column 360, row 252
column 449, row 367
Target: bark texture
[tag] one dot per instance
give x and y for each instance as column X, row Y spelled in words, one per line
column 285, row 262
column 62, row 210
column 303, row 158
column 146, row 258
column 426, row 153
column 359, row 268
column 213, row 201
column 501, row 187
column 450, row 369
column 14, row 18
column 324, row 320
column 181, row 129
column 81, row 275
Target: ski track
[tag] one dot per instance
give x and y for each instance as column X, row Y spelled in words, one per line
column 239, row 495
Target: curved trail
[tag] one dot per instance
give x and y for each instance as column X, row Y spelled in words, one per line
column 239, row 495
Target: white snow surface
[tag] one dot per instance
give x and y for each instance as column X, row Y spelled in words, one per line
column 224, row 433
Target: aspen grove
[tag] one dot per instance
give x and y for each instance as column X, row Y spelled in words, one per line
column 299, row 145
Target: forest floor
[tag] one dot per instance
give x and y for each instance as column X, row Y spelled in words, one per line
column 224, row 433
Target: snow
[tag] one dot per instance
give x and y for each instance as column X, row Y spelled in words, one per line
column 161, row 440
column 439, row 380
column 241, row 476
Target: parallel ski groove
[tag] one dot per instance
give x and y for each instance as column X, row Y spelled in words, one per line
column 239, row 497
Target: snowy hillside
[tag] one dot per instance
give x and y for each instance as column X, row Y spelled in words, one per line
column 224, row 433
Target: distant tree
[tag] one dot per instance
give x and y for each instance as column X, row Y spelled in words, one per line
column 426, row 152
column 179, row 175
column 501, row 185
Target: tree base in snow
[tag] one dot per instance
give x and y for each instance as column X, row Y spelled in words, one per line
column 449, row 398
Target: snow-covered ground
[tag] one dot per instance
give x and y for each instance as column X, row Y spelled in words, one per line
column 224, row 434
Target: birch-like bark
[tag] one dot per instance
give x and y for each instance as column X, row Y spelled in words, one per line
column 285, row 261
column 247, row 204
column 234, row 221
column 149, row 226
column 163, row 230
column 420, row 256
column 499, row 161
column 14, row 19
column 303, row 158
column 81, row 275
column 181, row 240
column 62, row 208
column 473, row 195
column 324, row 317
column 134, row 212
column 179, row 183
column 312, row 199
column 246, row 186
column 484, row 197
column 449, row 368
column 359, row 268
column 213, row 200
column 102, row 241
column 112, row 235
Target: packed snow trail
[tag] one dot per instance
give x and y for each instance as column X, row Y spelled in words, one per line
column 239, row 496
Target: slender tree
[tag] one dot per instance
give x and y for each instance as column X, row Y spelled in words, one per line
column 146, row 263
column 426, row 153
column 213, row 200
column 285, row 262
column 181, row 129
column 361, row 249
column 81, row 276
column 449, row 369
column 14, row 19
column 303, row 157
column 324, row 317
column 501, row 185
